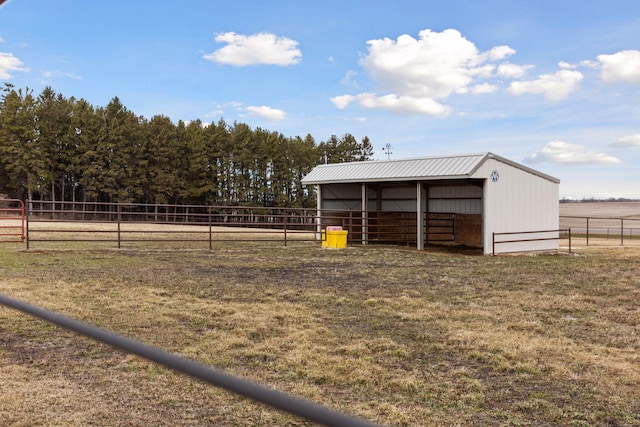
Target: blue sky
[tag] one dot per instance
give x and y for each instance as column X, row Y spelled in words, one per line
column 554, row 85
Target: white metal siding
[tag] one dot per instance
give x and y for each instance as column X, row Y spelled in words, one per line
column 455, row 199
column 518, row 201
column 342, row 197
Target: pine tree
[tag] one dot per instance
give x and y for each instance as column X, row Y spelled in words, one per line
column 24, row 160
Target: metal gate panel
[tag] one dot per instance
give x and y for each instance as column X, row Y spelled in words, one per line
column 12, row 221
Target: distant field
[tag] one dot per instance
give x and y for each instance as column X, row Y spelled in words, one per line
column 601, row 209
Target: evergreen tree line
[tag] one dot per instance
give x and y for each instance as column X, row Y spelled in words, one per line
column 54, row 148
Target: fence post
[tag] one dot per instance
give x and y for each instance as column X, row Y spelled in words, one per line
column 210, row 232
column 26, row 225
column 284, row 225
column 493, row 243
column 621, row 231
column 587, row 231
column 118, row 226
column 569, row 240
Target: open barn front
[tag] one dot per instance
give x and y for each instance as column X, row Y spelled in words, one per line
column 407, row 213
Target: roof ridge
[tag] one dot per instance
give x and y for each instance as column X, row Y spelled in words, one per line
column 409, row 159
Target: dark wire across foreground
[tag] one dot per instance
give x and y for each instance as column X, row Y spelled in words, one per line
column 276, row 399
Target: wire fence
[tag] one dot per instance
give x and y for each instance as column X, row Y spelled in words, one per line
column 278, row 400
column 603, row 231
column 120, row 224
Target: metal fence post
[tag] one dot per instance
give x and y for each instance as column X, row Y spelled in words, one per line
column 493, row 243
column 26, row 225
column 119, row 217
column 210, row 232
column 587, row 231
column 284, row 225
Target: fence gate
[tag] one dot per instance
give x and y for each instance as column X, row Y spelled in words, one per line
column 440, row 227
column 12, row 221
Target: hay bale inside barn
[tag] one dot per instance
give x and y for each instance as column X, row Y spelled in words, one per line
column 451, row 200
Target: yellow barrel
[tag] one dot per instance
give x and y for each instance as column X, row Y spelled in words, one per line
column 334, row 237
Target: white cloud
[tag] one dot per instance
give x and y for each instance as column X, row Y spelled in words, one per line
column 266, row 112
column 566, row 153
column 554, row 87
column 47, row 76
column 416, row 73
column 341, row 102
column 586, row 63
column 8, row 62
column 349, row 79
column 623, row 66
column 434, row 66
column 627, row 141
column 500, row 52
column 261, row 48
column 483, row 88
column 395, row 103
column 513, row 71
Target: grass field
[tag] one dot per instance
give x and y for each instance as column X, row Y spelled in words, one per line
column 393, row 335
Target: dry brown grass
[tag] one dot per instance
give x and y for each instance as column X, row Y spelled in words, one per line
column 397, row 336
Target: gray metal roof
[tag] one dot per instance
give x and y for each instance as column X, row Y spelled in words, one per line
column 420, row 169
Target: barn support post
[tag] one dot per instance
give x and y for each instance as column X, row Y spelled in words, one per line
column 365, row 215
column 319, row 212
column 419, row 217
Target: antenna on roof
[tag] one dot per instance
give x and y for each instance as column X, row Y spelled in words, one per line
column 388, row 151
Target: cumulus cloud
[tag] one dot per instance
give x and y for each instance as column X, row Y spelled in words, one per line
column 392, row 102
column 623, row 66
column 342, row 101
column 554, row 87
column 513, row 71
column 266, row 112
column 483, row 88
column 435, row 66
column 628, row 141
column 8, row 63
column 499, row 52
column 566, row 153
column 586, row 63
column 261, row 48
column 415, row 74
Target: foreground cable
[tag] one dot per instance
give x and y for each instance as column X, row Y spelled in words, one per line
column 276, row 399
